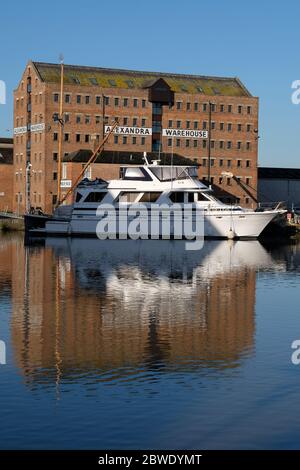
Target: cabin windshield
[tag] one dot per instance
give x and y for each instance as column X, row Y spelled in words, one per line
column 169, row 173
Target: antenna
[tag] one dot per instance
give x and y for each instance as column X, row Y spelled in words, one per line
column 145, row 158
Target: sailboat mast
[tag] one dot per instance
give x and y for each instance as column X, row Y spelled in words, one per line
column 61, row 126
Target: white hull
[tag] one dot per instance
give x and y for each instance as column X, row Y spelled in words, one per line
column 231, row 225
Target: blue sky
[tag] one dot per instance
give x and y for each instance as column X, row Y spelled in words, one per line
column 257, row 41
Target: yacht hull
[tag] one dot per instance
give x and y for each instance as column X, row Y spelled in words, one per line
column 231, row 225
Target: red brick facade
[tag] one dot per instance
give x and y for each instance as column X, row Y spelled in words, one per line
column 87, row 106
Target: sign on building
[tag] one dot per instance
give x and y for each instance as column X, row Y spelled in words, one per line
column 66, row 183
column 122, row 130
column 187, row 133
column 37, row 127
column 20, row 130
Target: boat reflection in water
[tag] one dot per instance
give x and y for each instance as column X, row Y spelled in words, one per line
column 116, row 310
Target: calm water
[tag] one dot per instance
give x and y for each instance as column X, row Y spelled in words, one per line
column 128, row 344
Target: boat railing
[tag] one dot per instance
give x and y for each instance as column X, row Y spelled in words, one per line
column 271, row 205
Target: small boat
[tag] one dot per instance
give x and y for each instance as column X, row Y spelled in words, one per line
column 171, row 188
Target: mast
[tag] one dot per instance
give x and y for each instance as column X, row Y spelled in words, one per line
column 61, row 126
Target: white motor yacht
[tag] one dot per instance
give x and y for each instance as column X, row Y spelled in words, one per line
column 167, row 186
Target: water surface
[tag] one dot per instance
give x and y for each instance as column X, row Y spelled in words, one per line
column 141, row 344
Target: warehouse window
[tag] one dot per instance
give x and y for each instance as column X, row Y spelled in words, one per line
column 188, row 106
column 78, row 99
column 55, row 98
column 221, row 108
column 229, row 127
column 188, row 123
column 195, row 143
column 248, row 163
column 67, row 98
column 179, row 105
column 98, row 100
column 239, row 127
column 133, row 140
column 240, row 109
column 87, row 99
column 177, row 142
column 116, row 139
column 248, row 109
column 143, row 103
column 124, row 140
column 116, row 101
column 77, row 137
column 55, row 136
column 195, row 106
column 239, row 145
column 229, row 144
column 87, row 138
column 143, row 140
column 125, row 102
column 135, row 103
column 178, row 123
column 195, row 124
column 229, row 109
column 187, row 143
column 66, row 137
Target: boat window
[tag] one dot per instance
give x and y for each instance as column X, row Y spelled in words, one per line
column 134, row 173
column 168, row 173
column 127, row 196
column 177, row 196
column 201, row 197
column 150, row 197
column 95, row 196
column 78, row 196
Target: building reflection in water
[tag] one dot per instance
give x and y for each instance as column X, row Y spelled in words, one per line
column 114, row 309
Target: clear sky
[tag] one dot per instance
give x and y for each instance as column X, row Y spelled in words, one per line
column 258, row 41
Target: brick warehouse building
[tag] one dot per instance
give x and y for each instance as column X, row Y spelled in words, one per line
column 160, row 113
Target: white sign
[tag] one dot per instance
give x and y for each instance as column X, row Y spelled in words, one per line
column 33, row 128
column 37, row 127
column 188, row 133
column 66, row 183
column 20, row 130
column 130, row 130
